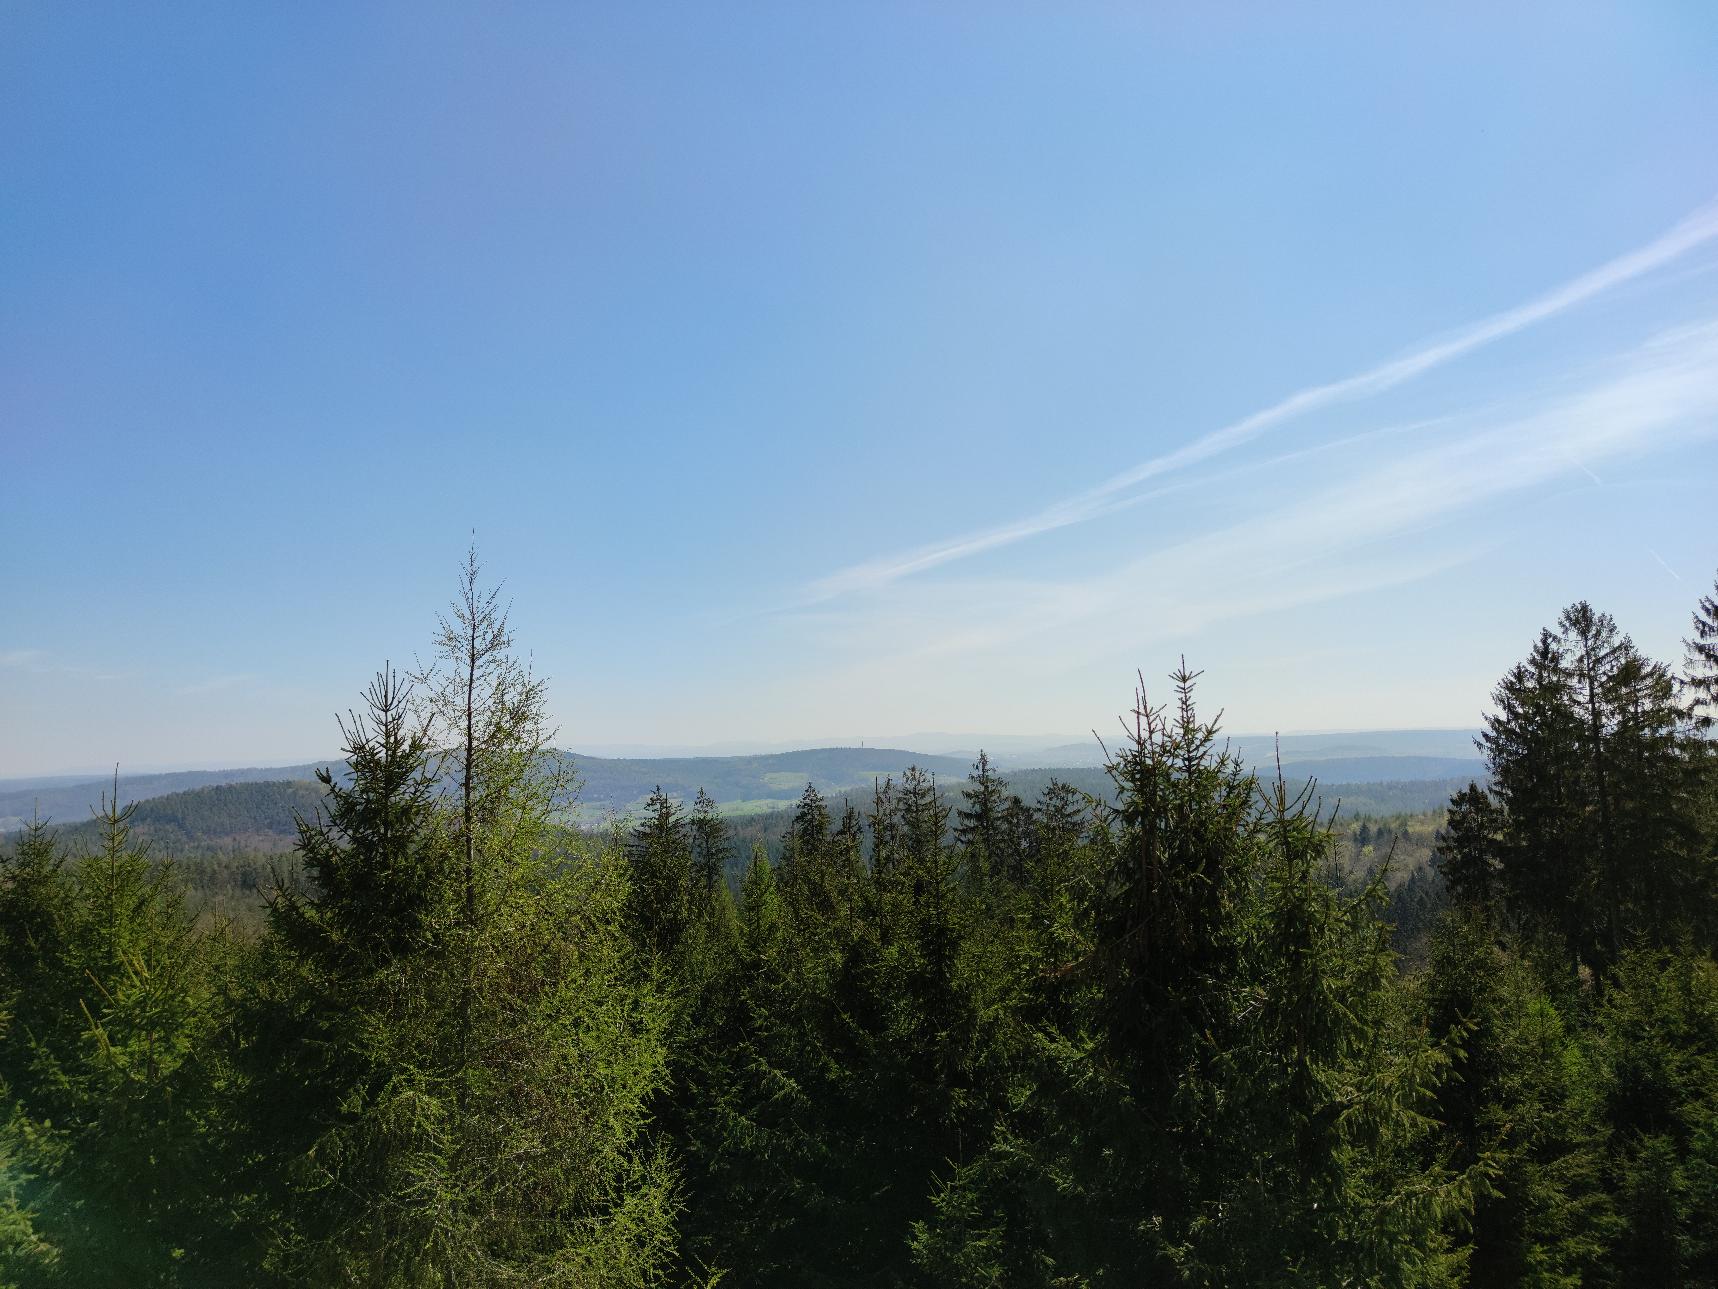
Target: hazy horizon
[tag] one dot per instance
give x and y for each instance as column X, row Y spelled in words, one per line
column 1007, row 747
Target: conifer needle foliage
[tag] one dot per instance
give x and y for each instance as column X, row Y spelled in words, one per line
column 955, row 1035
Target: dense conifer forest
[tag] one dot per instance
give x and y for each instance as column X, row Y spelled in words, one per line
column 1189, row 1029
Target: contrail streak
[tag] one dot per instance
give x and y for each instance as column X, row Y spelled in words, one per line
column 1667, row 568
column 1697, row 229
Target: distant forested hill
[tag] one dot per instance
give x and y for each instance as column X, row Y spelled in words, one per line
column 231, row 818
column 605, row 784
column 739, row 782
column 256, row 819
column 70, row 800
column 741, row 785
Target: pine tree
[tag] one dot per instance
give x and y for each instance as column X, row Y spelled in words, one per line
column 1656, row 1086
column 807, row 880
column 1532, row 750
column 491, row 1125
column 754, row 1150
column 1663, row 882
column 362, row 911
column 1165, row 927
column 663, row 877
column 884, row 899
column 373, row 858
column 847, row 872
column 1597, row 783
column 27, row 1256
column 932, row 912
column 1229, row 1093
column 711, row 848
column 118, row 1063
column 1467, row 848
column 1515, row 1110
column 1318, row 1110
column 980, row 823
column 35, row 894
column 35, row 992
column 1701, row 670
column 1056, row 886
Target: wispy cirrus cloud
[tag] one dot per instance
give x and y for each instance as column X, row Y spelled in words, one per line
column 1328, row 541
column 1118, row 491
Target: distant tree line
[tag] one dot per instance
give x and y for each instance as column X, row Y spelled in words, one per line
column 1167, row 1034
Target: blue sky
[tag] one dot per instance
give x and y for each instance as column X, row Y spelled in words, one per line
column 820, row 372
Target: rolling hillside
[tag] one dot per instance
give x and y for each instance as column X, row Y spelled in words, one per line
column 69, row 800
column 747, row 783
column 251, row 808
column 227, row 819
column 605, row 784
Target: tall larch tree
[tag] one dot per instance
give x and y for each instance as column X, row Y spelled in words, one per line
column 503, row 1138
